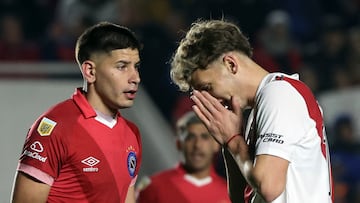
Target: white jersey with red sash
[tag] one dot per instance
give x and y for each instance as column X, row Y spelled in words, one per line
column 289, row 124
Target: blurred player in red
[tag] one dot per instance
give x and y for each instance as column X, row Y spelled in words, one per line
column 194, row 180
column 82, row 149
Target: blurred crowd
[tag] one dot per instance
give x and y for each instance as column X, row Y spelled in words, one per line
column 319, row 39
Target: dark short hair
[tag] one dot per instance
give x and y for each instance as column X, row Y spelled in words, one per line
column 206, row 41
column 185, row 121
column 104, row 37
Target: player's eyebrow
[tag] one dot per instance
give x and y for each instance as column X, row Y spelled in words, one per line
column 123, row 61
column 127, row 62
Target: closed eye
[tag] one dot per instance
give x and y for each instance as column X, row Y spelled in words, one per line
column 206, row 87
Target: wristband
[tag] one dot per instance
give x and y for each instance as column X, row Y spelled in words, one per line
column 231, row 138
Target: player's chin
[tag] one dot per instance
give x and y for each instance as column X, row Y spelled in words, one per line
column 200, row 167
column 126, row 104
column 198, row 163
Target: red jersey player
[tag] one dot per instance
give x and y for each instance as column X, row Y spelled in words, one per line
column 194, row 180
column 82, row 149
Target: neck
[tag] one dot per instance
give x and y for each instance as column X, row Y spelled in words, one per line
column 249, row 78
column 96, row 102
column 198, row 173
column 257, row 80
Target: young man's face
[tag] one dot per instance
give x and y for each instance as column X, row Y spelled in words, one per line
column 215, row 80
column 117, row 78
column 198, row 148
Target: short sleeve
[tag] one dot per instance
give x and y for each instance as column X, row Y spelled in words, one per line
column 280, row 116
column 43, row 150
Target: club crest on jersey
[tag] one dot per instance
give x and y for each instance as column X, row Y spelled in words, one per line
column 46, row 126
column 131, row 161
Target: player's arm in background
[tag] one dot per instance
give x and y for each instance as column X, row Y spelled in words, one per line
column 27, row 189
column 130, row 197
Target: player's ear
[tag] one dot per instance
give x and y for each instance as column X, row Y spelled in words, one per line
column 88, row 70
column 230, row 63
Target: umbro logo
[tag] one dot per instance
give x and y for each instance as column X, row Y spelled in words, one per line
column 90, row 161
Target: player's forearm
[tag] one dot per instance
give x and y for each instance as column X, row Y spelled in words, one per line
column 239, row 151
column 130, row 197
column 257, row 178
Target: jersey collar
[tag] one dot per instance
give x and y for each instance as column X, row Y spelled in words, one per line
column 84, row 106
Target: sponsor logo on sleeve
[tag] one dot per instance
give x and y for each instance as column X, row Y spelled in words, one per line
column 90, row 161
column 34, row 152
column 272, row 137
column 46, row 126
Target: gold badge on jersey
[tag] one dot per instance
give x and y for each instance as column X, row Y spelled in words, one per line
column 46, row 126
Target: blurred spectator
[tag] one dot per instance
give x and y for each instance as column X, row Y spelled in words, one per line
column 345, row 155
column 158, row 27
column 329, row 57
column 353, row 57
column 305, row 17
column 341, row 77
column 72, row 13
column 344, row 137
column 349, row 10
column 13, row 45
column 309, row 77
column 155, row 74
column 58, row 45
column 35, row 15
column 275, row 48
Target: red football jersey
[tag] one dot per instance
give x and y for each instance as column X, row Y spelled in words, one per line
column 175, row 186
column 83, row 159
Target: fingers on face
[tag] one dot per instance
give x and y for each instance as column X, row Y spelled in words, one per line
column 210, row 102
column 205, row 108
column 204, row 105
column 202, row 112
column 216, row 104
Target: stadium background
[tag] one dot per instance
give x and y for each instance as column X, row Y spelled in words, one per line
column 319, row 39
